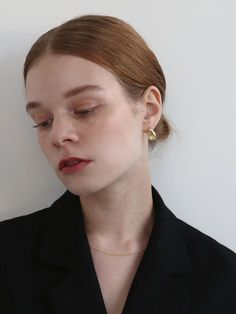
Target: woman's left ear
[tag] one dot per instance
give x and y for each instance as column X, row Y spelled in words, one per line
column 152, row 102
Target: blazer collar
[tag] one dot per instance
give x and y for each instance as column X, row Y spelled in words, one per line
column 158, row 283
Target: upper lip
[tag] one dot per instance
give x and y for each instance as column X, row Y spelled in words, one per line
column 63, row 162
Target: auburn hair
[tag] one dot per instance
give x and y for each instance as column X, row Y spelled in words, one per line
column 112, row 44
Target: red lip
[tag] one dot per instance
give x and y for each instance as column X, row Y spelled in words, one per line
column 66, row 162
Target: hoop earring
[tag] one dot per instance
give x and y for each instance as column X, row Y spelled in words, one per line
column 151, row 135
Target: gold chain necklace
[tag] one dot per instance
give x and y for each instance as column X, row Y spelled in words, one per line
column 116, row 254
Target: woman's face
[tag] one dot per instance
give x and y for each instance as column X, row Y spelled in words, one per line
column 82, row 111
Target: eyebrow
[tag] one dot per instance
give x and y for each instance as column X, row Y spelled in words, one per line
column 68, row 94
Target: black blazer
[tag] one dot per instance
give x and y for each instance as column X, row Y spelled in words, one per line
column 46, row 266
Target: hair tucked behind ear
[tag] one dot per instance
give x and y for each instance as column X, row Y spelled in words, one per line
column 113, row 44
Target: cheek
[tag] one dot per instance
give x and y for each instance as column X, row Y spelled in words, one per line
column 118, row 137
column 42, row 141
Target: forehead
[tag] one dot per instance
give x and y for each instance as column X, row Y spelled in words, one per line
column 53, row 74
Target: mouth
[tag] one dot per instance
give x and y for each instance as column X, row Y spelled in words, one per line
column 71, row 162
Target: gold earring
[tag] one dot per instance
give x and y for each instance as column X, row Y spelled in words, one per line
column 151, row 134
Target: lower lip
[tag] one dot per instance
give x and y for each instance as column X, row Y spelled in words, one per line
column 74, row 168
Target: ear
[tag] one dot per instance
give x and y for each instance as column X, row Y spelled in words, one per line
column 152, row 102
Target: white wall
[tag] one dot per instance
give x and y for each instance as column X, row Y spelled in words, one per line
column 195, row 171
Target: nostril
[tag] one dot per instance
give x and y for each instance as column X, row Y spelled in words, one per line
column 63, row 131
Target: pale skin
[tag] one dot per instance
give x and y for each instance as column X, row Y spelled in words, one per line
column 115, row 188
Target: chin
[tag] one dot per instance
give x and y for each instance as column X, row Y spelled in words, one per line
column 79, row 191
column 83, row 188
column 87, row 184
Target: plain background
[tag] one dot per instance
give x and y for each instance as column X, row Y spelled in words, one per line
column 195, row 170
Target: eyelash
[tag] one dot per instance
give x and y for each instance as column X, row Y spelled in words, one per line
column 89, row 111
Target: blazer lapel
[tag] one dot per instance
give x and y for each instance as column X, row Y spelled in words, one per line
column 159, row 284
column 76, row 290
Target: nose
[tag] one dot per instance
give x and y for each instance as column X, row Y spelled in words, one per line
column 63, row 131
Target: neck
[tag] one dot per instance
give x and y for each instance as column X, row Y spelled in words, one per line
column 120, row 217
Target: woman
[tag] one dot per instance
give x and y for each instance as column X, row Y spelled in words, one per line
column 95, row 92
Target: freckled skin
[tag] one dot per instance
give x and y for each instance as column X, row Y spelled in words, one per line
column 111, row 135
column 115, row 188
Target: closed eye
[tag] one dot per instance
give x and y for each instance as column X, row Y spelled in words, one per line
column 85, row 112
column 44, row 124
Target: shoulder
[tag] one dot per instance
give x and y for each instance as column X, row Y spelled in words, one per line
column 19, row 234
column 22, row 220
column 213, row 264
column 206, row 256
column 201, row 245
